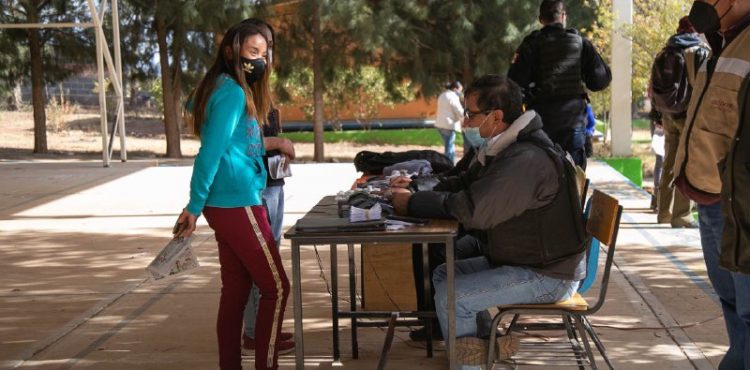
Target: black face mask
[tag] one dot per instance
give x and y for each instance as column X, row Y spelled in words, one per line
column 705, row 18
column 253, row 68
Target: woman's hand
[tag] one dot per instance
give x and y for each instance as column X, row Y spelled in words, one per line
column 400, row 182
column 287, row 162
column 282, row 144
column 287, row 148
column 185, row 225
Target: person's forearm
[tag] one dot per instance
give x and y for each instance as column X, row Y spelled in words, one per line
column 281, row 144
column 273, row 143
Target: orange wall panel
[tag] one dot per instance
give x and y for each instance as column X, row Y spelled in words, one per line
column 417, row 109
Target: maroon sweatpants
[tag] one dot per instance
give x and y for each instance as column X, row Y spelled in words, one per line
column 248, row 254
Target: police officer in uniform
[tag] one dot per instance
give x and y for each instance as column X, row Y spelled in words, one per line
column 554, row 67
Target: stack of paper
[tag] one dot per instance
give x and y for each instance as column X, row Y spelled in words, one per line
column 362, row 214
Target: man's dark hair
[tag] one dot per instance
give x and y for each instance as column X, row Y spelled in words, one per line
column 551, row 10
column 685, row 26
column 497, row 92
column 453, row 85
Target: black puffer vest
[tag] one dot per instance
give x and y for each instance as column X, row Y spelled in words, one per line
column 547, row 234
column 558, row 73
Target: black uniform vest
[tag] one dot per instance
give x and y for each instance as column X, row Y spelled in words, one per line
column 547, row 234
column 558, row 65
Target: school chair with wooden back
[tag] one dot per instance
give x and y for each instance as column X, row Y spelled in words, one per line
column 603, row 224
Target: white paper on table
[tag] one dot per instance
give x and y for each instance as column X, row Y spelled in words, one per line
column 362, row 214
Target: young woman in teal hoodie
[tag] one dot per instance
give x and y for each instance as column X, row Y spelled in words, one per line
column 229, row 106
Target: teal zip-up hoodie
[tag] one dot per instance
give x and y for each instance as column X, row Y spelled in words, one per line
column 228, row 171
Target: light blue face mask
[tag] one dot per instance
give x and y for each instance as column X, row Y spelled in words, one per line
column 472, row 135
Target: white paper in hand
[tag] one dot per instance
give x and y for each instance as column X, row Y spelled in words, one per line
column 176, row 258
column 276, row 168
column 657, row 144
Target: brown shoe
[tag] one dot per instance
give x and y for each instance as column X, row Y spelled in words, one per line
column 472, row 351
column 507, row 346
column 285, row 347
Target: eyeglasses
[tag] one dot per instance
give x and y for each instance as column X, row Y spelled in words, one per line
column 469, row 114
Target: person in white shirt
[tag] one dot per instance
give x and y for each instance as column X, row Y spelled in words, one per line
column 450, row 113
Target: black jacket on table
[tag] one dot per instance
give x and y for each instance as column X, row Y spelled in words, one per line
column 433, row 182
column 552, row 65
column 508, row 191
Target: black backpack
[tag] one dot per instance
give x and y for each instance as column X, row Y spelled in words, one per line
column 373, row 163
column 670, row 86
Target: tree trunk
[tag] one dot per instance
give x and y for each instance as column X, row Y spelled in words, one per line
column 317, row 86
column 178, row 36
column 15, row 98
column 171, row 128
column 468, row 72
column 37, row 85
column 133, row 105
column 177, row 98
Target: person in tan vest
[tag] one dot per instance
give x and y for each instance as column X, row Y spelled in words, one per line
column 672, row 77
column 712, row 166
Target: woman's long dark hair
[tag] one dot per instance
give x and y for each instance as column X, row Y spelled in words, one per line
column 258, row 96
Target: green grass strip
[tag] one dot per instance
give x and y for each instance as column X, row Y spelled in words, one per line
column 423, row 137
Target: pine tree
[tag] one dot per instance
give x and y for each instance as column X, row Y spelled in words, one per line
column 434, row 42
column 53, row 54
column 184, row 39
column 322, row 45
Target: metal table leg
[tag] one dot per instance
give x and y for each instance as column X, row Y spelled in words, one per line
column 335, row 302
column 427, row 296
column 388, row 341
column 353, row 300
column 299, row 350
column 449, row 259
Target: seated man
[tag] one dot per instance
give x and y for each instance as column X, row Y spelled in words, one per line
column 516, row 195
column 465, row 246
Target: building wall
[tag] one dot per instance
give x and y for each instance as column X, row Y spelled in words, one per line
column 79, row 90
column 418, row 109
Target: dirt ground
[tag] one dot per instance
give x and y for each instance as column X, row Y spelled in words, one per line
column 79, row 135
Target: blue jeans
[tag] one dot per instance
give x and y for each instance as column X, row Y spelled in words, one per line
column 573, row 141
column 480, row 286
column 273, row 200
column 733, row 290
column 449, row 140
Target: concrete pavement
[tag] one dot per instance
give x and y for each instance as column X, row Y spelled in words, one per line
column 75, row 237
